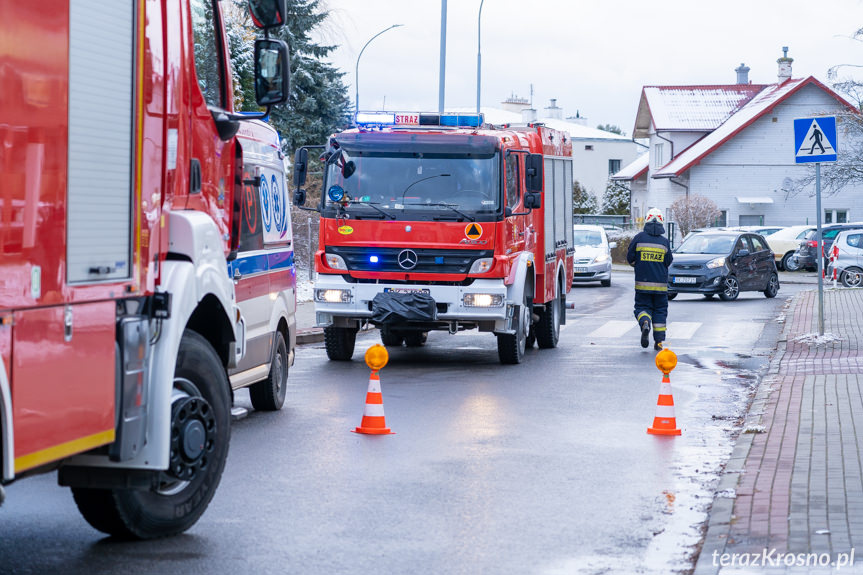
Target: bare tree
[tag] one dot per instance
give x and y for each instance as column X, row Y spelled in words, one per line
column 851, row 87
column 692, row 212
column 846, row 171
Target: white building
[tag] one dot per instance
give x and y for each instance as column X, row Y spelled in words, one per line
column 735, row 145
column 596, row 154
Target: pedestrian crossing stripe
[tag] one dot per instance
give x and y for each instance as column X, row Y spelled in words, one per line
column 815, row 139
column 473, row 231
column 617, row 328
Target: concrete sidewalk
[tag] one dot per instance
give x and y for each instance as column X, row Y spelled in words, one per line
column 794, row 483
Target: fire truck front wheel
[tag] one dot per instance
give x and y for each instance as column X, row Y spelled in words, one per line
column 511, row 346
column 340, row 342
column 200, row 434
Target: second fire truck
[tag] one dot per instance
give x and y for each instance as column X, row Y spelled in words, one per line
column 440, row 222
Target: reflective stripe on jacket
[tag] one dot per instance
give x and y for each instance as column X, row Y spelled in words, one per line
column 650, row 253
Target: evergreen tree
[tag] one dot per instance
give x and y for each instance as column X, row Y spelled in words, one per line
column 583, row 202
column 615, row 200
column 318, row 104
column 613, row 128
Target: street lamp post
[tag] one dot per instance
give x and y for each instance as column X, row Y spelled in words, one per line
column 478, row 56
column 357, row 69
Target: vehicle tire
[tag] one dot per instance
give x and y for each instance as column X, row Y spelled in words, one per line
column 531, row 337
column 605, row 283
column 391, row 338
column 730, row 289
column 340, row 342
column 511, row 346
column 269, row 394
column 671, row 296
column 789, row 263
column 201, row 432
column 416, row 338
column 548, row 328
column 772, row 286
column 708, row 296
column 852, row 277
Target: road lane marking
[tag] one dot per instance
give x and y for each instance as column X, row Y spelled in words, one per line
column 615, row 328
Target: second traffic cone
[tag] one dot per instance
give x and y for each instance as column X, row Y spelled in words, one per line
column 664, row 423
column 374, row 422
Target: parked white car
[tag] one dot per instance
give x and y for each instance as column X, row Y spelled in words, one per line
column 592, row 255
column 784, row 243
column 849, row 263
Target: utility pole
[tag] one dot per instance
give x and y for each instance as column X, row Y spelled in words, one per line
column 440, row 104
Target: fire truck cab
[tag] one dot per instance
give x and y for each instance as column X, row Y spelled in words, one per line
column 120, row 186
column 440, row 222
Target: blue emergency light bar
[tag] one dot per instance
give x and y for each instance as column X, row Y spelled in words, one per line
column 397, row 119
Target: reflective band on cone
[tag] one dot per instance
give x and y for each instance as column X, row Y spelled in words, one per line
column 664, row 423
column 374, row 422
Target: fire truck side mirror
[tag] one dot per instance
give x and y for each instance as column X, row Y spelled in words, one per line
column 533, row 200
column 267, row 14
column 533, row 173
column 301, row 165
column 299, row 197
column 272, row 73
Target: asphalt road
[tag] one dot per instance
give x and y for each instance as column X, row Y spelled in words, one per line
column 544, row 467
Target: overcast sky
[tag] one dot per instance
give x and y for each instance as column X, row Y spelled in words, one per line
column 593, row 56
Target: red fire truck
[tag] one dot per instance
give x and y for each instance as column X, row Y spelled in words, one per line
column 120, row 180
column 440, row 222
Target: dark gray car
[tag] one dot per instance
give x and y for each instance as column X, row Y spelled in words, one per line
column 724, row 264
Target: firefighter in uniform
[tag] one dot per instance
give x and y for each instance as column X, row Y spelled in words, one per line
column 650, row 254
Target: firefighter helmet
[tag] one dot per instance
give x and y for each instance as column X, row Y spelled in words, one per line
column 654, row 215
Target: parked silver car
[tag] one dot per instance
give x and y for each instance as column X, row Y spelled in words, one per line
column 592, row 255
column 849, row 261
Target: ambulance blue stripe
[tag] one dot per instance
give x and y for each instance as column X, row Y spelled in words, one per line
column 261, row 262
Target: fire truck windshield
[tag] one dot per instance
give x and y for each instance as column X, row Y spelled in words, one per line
column 411, row 186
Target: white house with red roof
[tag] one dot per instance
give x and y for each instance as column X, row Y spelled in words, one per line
column 735, row 145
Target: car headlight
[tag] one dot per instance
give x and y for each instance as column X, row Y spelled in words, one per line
column 717, row 263
column 482, row 300
column 333, row 295
column 335, row 262
column 603, row 257
column 481, row 266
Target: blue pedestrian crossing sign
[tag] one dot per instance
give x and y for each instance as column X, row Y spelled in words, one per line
column 815, row 140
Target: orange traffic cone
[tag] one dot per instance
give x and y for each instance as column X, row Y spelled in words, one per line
column 664, row 423
column 374, row 422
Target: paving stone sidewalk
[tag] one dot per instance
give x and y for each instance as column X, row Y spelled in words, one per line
column 794, row 483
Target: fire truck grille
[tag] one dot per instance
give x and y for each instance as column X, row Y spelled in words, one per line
column 425, row 261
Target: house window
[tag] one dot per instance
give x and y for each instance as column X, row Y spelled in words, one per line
column 588, row 147
column 613, row 167
column 658, row 155
column 835, row 216
column 721, row 221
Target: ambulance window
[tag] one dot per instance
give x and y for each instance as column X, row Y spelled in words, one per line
column 208, row 54
column 512, row 180
column 252, row 225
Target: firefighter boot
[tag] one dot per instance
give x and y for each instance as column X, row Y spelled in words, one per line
column 658, row 346
column 645, row 333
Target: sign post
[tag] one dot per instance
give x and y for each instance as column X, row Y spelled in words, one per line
column 815, row 142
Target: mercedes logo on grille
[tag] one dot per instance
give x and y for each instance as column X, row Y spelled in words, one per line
column 407, row 259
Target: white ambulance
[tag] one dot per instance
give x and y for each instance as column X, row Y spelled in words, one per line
column 263, row 271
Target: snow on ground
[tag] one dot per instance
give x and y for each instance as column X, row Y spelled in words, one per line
column 814, row 338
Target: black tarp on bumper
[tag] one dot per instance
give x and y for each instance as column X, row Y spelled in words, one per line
column 396, row 308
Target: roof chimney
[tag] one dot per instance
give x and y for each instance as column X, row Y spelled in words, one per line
column 784, row 65
column 553, row 111
column 742, row 74
column 528, row 115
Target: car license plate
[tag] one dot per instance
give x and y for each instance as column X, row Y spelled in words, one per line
column 581, row 270
column 684, row 280
column 406, row 290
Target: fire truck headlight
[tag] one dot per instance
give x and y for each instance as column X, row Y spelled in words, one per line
column 335, row 262
column 481, row 266
column 482, row 300
column 333, row 295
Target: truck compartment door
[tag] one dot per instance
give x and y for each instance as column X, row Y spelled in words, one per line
column 63, row 390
